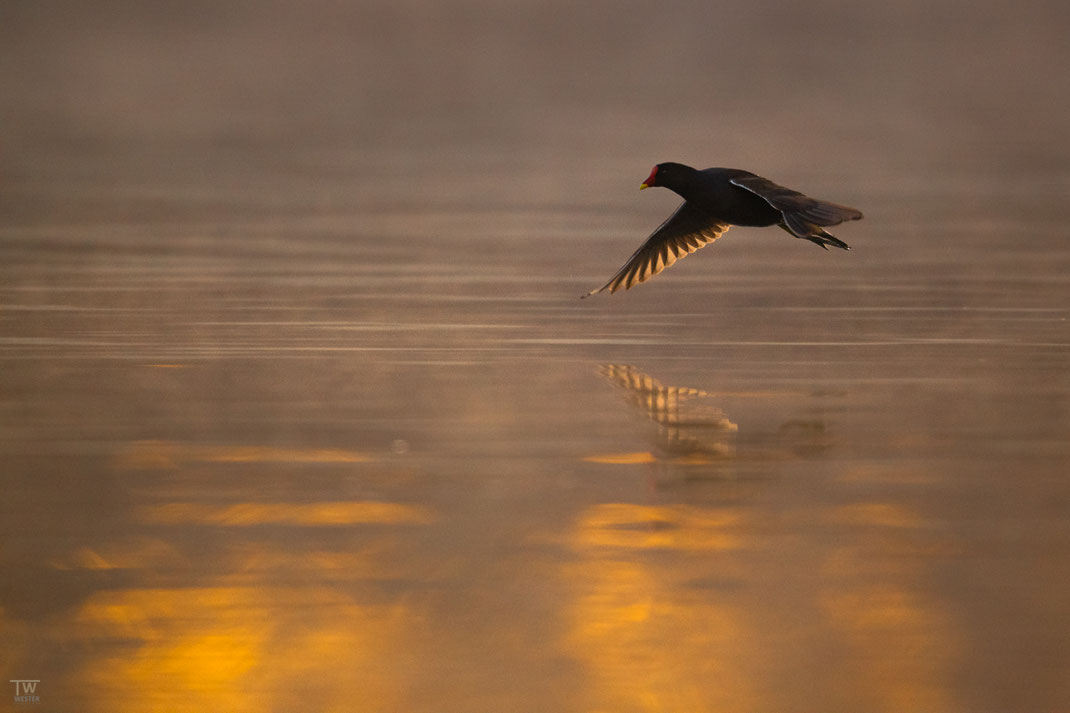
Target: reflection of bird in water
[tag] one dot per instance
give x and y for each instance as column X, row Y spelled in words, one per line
column 688, row 427
column 692, row 431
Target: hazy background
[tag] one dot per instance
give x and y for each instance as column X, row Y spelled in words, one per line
column 299, row 407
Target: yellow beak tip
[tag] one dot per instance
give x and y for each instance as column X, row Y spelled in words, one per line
column 641, row 187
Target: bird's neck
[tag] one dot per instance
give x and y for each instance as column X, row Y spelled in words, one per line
column 691, row 185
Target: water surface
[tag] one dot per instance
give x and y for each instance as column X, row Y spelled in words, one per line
column 299, row 407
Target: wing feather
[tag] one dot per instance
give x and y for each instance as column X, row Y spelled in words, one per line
column 798, row 209
column 686, row 230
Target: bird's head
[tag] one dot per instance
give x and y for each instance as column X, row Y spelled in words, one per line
column 668, row 175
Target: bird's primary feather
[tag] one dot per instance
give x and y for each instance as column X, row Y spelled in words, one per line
column 686, row 230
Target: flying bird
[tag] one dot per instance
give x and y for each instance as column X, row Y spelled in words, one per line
column 714, row 200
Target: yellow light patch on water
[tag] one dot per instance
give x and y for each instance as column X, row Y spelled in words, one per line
column 148, row 455
column 267, row 454
column 196, row 640
column 242, row 649
column 648, row 644
column 677, row 527
column 623, row 458
column 324, row 514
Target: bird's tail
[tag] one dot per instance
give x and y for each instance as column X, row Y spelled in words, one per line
column 821, row 213
column 808, row 222
column 815, row 234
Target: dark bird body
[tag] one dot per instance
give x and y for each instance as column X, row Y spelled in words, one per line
column 712, row 191
column 714, row 200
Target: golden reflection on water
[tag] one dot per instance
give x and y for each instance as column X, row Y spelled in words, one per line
column 259, row 619
column 718, row 593
column 304, row 514
column 677, row 527
column 243, row 649
column 645, row 648
column 670, row 599
column 648, row 640
column 169, row 454
column 272, row 628
column 670, row 608
column 636, row 458
column 665, row 604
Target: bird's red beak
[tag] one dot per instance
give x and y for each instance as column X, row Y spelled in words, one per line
column 649, row 179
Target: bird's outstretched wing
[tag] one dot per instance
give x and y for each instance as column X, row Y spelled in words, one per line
column 686, row 230
column 802, row 214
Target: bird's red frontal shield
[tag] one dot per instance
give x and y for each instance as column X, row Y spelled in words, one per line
column 649, row 179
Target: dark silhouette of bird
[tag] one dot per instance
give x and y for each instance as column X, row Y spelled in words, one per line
column 714, row 200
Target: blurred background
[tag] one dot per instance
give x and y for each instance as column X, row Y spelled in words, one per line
column 299, row 407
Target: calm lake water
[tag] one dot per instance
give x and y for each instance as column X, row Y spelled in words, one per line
column 300, row 410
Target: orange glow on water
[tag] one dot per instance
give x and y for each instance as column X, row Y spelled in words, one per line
column 169, row 454
column 637, row 458
column 302, row 514
column 646, row 640
column 243, row 649
column 678, row 527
